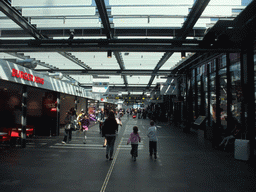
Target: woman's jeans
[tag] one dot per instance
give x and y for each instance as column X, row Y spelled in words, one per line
column 110, row 145
column 68, row 135
column 134, row 151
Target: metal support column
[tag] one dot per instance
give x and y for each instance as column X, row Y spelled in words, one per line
column 86, row 106
column 186, row 112
column 209, row 93
column 196, row 94
column 229, row 93
column 249, row 97
column 24, row 115
column 76, row 104
column 217, row 127
column 58, row 115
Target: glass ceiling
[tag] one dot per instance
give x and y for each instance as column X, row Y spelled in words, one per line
column 133, row 19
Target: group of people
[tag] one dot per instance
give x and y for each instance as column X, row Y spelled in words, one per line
column 74, row 122
column 110, row 128
column 134, row 139
column 140, row 113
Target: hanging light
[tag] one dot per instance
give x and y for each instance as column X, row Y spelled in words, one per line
column 183, row 54
column 109, row 54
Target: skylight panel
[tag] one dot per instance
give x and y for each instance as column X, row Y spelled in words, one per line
column 84, row 79
column 217, row 11
column 65, row 12
column 148, row 22
column 47, row 3
column 151, row 2
column 138, row 79
column 54, row 59
column 8, row 24
column 226, row 2
column 66, row 23
column 115, row 80
column 181, row 10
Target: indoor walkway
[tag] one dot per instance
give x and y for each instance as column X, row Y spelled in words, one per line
column 186, row 162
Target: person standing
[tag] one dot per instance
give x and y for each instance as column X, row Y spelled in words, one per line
column 152, row 135
column 134, row 139
column 79, row 118
column 85, row 122
column 109, row 129
column 68, row 131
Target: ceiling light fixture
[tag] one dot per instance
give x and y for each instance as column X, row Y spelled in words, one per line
column 183, row 54
column 109, row 54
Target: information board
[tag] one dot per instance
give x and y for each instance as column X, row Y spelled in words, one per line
column 199, row 120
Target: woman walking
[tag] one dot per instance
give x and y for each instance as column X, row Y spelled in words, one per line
column 109, row 129
column 70, row 122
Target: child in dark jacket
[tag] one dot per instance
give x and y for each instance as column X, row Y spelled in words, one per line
column 134, row 139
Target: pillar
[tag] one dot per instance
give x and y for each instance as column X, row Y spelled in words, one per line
column 247, row 58
column 24, row 115
column 58, row 115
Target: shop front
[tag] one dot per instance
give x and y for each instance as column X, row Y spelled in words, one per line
column 33, row 100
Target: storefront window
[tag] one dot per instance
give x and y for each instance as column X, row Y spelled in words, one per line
column 223, row 61
column 235, row 75
column 194, row 93
column 212, row 97
column 199, row 84
column 205, row 91
column 223, row 97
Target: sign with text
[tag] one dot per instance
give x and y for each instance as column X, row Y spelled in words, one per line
column 100, row 85
column 26, row 76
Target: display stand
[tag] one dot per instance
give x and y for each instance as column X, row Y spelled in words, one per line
column 242, row 149
column 199, row 127
column 199, row 120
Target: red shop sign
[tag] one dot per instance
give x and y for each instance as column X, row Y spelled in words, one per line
column 27, row 76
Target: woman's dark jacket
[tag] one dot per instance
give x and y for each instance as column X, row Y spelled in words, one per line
column 110, row 127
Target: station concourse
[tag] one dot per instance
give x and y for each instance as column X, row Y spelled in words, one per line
column 189, row 65
column 186, row 162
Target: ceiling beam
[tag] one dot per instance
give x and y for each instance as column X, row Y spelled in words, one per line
column 104, row 46
column 104, row 18
column 120, row 61
column 101, row 42
column 105, row 72
column 15, row 16
column 188, row 25
column 74, row 59
column 65, row 33
column 107, row 30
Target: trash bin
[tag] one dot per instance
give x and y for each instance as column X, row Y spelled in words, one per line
column 242, row 149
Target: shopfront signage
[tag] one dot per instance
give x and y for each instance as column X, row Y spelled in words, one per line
column 26, row 76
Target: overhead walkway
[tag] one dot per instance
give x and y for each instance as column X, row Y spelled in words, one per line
column 186, row 162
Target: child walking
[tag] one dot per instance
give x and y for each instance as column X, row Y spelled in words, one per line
column 152, row 135
column 134, row 139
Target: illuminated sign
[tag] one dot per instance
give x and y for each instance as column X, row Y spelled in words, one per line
column 26, row 76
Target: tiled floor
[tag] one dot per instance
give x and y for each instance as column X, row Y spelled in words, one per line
column 186, row 162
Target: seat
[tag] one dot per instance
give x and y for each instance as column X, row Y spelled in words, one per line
column 6, row 137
